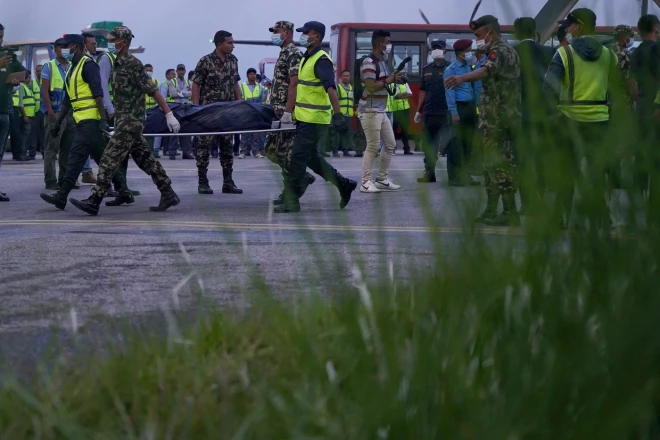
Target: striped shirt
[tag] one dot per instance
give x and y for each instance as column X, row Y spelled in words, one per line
column 373, row 102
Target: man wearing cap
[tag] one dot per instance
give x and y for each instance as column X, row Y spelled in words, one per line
column 433, row 104
column 216, row 79
column 179, row 89
column 283, row 99
column 531, row 146
column 130, row 83
column 84, row 95
column 462, row 103
column 579, row 82
column 500, row 105
column 317, row 106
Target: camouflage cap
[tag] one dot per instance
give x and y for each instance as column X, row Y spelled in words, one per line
column 282, row 25
column 623, row 30
column 483, row 21
column 121, row 32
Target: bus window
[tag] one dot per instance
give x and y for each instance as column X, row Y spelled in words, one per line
column 362, row 44
column 399, row 52
column 334, row 46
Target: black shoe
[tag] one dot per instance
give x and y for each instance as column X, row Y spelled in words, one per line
column 54, row 199
column 287, row 207
column 90, row 205
column 188, row 157
column 215, row 156
column 126, row 198
column 454, row 183
column 235, row 154
column 346, row 189
column 326, row 155
column 111, row 193
column 134, row 193
column 172, row 157
column 53, row 187
column 474, row 183
column 427, row 178
column 407, row 153
column 204, row 189
column 156, row 155
column 335, row 155
column 4, row 198
column 168, row 198
column 33, row 157
column 22, row 159
column 203, row 183
column 308, row 180
column 347, row 154
column 279, row 200
column 229, row 187
column 358, row 155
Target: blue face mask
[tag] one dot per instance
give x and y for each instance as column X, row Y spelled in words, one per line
column 67, row 54
column 469, row 56
column 304, row 40
column 277, row 40
column 112, row 48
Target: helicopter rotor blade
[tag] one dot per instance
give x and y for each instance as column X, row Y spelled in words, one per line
column 426, row 20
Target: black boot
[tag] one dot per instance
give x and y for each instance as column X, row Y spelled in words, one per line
column 203, row 182
column 288, row 206
column 509, row 215
column 124, row 197
column 428, row 177
column 58, row 199
column 308, row 180
column 279, row 200
column 168, row 198
column 491, row 207
column 346, row 188
column 89, row 205
column 228, row 185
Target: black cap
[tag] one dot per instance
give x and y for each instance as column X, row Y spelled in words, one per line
column 582, row 16
column 438, row 44
column 483, row 21
column 251, row 70
column 180, row 67
column 312, row 26
column 524, row 25
column 60, row 42
column 71, row 38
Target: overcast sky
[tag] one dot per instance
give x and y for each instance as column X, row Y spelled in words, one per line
column 179, row 32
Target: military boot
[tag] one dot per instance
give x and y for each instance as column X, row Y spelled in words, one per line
column 428, row 177
column 58, row 199
column 124, row 197
column 509, row 215
column 346, row 187
column 89, row 205
column 168, row 198
column 228, row 185
column 308, row 180
column 203, row 183
column 292, row 205
column 491, row 207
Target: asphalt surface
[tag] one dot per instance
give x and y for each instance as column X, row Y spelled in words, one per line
column 64, row 268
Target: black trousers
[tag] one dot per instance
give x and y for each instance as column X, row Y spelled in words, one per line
column 37, row 135
column 460, row 146
column 19, row 134
column 88, row 141
column 433, row 128
column 306, row 154
column 401, row 119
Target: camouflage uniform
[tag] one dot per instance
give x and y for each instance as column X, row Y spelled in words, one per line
column 216, row 80
column 500, row 114
column 130, row 84
column 622, row 55
column 278, row 145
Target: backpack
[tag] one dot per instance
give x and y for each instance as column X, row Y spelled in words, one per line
column 358, row 88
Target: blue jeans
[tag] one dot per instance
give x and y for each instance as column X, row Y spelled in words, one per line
column 4, row 133
column 87, row 167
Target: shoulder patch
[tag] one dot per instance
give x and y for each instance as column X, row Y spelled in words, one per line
column 492, row 55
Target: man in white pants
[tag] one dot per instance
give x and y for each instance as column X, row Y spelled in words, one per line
column 376, row 81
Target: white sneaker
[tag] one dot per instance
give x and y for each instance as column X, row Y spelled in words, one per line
column 241, row 156
column 259, row 156
column 369, row 187
column 386, row 185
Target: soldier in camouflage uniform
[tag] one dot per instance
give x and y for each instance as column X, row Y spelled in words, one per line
column 216, row 79
column 285, row 79
column 500, row 115
column 130, row 84
column 624, row 38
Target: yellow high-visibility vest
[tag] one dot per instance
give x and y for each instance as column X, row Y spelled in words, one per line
column 399, row 104
column 312, row 101
column 583, row 95
column 28, row 100
column 346, row 100
column 175, row 83
column 56, row 81
column 80, row 94
column 251, row 96
column 150, row 101
column 36, row 93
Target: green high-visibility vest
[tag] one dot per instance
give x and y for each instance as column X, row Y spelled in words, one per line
column 346, row 100
column 583, row 95
column 312, row 101
column 149, row 100
column 251, row 96
column 82, row 101
column 28, row 100
column 398, row 104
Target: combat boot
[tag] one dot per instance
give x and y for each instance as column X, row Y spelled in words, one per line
column 509, row 215
column 203, row 183
column 308, row 180
column 228, row 185
column 89, row 205
column 491, row 207
column 346, row 187
column 428, row 177
column 292, row 205
column 168, row 198
column 123, row 198
column 58, row 199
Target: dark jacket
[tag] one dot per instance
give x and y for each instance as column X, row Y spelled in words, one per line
column 535, row 59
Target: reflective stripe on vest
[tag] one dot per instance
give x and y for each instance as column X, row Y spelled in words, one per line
column 312, row 101
column 346, row 100
column 175, row 83
column 150, row 101
column 80, row 94
column 251, row 96
column 28, row 100
column 583, row 94
column 36, row 93
column 112, row 57
column 56, row 81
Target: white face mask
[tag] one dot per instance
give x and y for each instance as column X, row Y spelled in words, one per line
column 569, row 37
column 388, row 49
column 481, row 44
column 437, row 54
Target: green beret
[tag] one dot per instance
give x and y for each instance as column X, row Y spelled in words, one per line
column 482, row 21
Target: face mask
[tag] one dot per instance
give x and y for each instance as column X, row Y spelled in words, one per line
column 388, row 49
column 112, row 48
column 437, row 54
column 304, row 40
column 569, row 37
column 469, row 56
column 629, row 44
column 277, row 39
column 67, row 54
column 150, row 74
column 481, row 44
